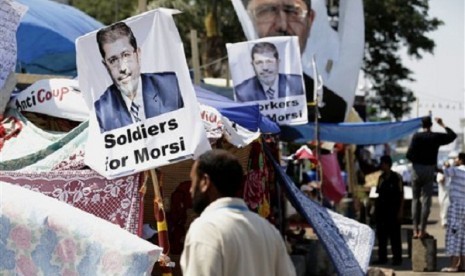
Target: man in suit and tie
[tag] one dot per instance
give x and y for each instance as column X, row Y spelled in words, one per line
column 133, row 97
column 268, row 83
column 295, row 18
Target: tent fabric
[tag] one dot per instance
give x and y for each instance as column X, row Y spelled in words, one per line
column 45, row 150
column 347, row 242
column 43, row 236
column 246, row 115
column 117, row 201
column 368, row 133
column 46, row 36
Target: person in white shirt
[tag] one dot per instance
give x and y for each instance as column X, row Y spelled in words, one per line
column 228, row 239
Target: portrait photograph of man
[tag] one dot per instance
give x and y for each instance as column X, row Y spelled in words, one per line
column 268, row 71
column 268, row 83
column 133, row 96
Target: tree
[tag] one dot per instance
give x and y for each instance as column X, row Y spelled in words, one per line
column 389, row 26
column 108, row 11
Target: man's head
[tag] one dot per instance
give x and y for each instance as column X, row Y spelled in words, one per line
column 216, row 173
column 281, row 18
column 385, row 163
column 461, row 158
column 120, row 56
column 265, row 62
column 426, row 122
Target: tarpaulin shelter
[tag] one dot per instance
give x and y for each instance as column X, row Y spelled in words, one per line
column 46, row 36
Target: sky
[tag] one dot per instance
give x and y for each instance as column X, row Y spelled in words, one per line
column 440, row 78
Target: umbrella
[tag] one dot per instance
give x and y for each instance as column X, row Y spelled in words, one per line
column 305, row 152
column 46, row 36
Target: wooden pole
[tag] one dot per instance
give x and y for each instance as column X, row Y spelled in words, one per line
column 142, row 6
column 195, row 56
column 162, row 224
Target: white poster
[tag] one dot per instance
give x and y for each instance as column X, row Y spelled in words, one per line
column 268, row 71
column 338, row 54
column 135, row 79
column 59, row 98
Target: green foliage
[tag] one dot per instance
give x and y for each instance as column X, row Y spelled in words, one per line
column 390, row 25
column 107, row 11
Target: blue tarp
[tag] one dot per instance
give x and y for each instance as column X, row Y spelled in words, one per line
column 46, row 37
column 369, row 133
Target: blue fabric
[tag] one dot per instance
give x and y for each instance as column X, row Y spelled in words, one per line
column 46, row 37
column 369, row 133
column 244, row 114
column 341, row 237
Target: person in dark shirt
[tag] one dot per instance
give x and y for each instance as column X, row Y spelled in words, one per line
column 423, row 153
column 388, row 212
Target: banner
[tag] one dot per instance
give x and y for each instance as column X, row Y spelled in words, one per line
column 268, row 71
column 55, row 97
column 134, row 78
column 338, row 53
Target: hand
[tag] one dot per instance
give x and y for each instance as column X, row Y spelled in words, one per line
column 439, row 121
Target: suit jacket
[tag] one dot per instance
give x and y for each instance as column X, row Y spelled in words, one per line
column 160, row 93
column 252, row 90
column 334, row 109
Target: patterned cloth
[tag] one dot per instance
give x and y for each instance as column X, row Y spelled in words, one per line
column 117, row 201
column 455, row 234
column 348, row 242
column 43, row 236
column 39, row 150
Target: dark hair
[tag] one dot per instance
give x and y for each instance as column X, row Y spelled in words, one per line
column 224, row 170
column 426, row 122
column 461, row 157
column 386, row 159
column 308, row 2
column 264, row 47
column 112, row 33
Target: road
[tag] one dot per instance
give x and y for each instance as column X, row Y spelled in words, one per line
column 434, row 228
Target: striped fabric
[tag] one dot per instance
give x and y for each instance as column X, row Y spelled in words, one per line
column 455, row 235
column 457, row 183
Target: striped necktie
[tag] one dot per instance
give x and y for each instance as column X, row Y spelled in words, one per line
column 270, row 93
column 135, row 111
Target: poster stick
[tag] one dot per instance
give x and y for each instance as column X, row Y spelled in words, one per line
column 162, row 226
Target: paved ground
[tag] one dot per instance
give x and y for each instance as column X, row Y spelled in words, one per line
column 435, row 229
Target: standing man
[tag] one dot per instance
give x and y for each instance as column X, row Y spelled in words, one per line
column 228, row 239
column 388, row 212
column 455, row 234
column 295, row 18
column 268, row 83
column 423, row 153
column 133, row 96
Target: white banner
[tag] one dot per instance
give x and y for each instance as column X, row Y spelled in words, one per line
column 338, row 54
column 145, row 113
column 268, row 71
column 55, row 97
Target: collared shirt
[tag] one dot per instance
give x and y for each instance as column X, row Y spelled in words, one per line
column 138, row 100
column 228, row 239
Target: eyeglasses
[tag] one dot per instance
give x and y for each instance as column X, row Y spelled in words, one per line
column 269, row 12
column 125, row 56
column 261, row 62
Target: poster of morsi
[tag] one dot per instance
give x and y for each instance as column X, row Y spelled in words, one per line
column 135, row 80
